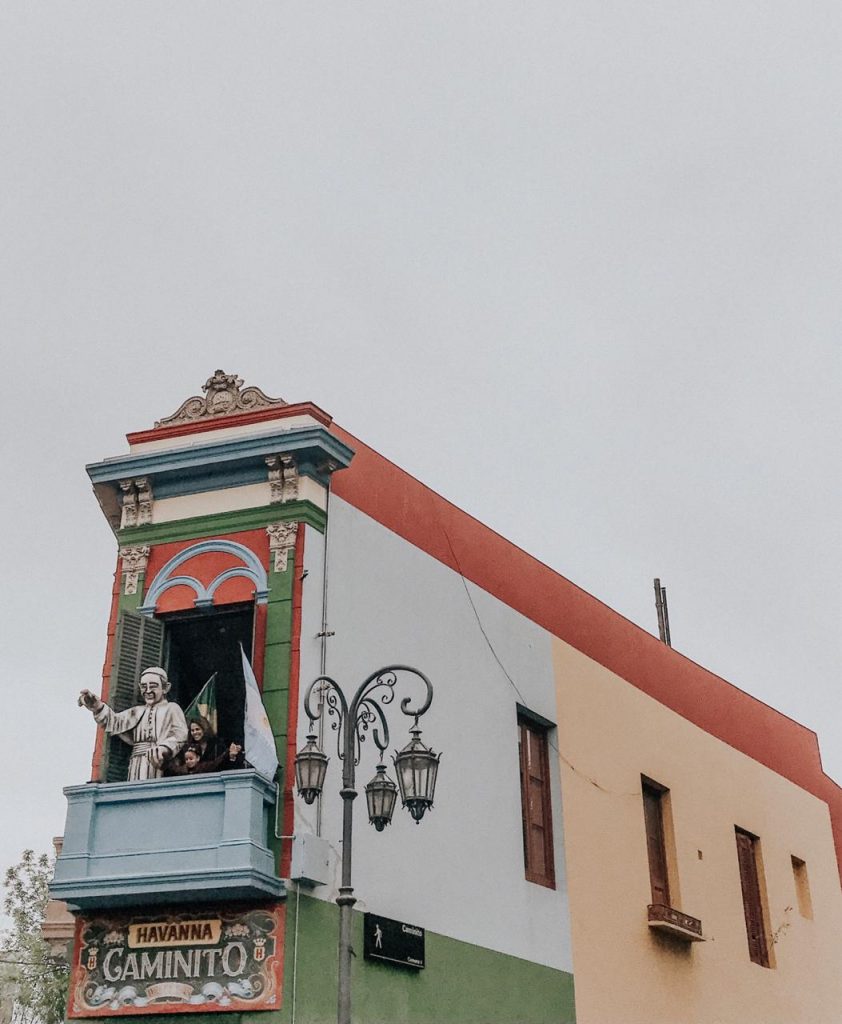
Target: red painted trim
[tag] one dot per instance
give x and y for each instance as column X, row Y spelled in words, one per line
column 292, row 714
column 241, row 419
column 401, row 503
column 96, row 763
column 256, row 541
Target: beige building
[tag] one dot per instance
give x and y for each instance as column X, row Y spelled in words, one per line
column 620, row 743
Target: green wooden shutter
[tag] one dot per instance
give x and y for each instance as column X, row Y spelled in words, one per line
column 140, row 645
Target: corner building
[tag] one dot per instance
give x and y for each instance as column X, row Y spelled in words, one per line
column 618, row 836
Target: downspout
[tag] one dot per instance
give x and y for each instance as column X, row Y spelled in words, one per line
column 324, row 634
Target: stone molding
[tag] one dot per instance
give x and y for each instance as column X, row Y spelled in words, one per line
column 135, row 559
column 281, row 542
column 283, row 478
column 136, row 501
column 224, row 396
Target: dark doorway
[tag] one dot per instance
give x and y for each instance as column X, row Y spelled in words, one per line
column 199, row 644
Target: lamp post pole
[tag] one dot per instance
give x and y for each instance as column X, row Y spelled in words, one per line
column 416, row 765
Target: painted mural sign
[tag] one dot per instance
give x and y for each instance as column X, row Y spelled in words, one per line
column 176, row 962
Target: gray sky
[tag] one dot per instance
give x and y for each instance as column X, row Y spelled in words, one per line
column 573, row 265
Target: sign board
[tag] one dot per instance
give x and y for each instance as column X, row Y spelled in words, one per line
column 201, row 960
column 393, row 941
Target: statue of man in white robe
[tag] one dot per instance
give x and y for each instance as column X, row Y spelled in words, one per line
column 156, row 730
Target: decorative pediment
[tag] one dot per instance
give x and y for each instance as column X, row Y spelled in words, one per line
column 224, row 396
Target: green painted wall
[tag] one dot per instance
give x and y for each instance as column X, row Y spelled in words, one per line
column 461, row 982
column 276, row 666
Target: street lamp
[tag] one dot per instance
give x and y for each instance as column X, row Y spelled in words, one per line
column 416, row 766
column 310, row 768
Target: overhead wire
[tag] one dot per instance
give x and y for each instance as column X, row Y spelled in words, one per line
column 507, row 674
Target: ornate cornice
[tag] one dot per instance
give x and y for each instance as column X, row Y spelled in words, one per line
column 134, row 561
column 281, row 542
column 224, row 396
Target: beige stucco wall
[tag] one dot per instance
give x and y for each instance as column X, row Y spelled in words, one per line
column 609, row 733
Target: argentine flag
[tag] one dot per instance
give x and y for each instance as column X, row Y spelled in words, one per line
column 259, row 741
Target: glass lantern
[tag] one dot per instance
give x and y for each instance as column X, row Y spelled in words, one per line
column 310, row 768
column 417, row 767
column 381, row 794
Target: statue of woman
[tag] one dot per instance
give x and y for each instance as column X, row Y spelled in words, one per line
column 156, row 730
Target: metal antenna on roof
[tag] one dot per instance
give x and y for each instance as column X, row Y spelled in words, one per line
column 663, row 613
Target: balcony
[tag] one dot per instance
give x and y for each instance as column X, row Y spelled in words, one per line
column 673, row 922
column 195, row 839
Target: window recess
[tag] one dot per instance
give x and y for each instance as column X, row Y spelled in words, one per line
column 661, row 914
column 802, row 888
column 536, row 804
column 191, row 647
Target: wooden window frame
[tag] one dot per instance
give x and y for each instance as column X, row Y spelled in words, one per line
column 653, row 794
column 751, row 886
column 536, row 798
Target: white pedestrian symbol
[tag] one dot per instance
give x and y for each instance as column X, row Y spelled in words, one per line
column 378, row 937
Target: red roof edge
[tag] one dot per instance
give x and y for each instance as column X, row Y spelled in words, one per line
column 398, row 501
column 240, row 419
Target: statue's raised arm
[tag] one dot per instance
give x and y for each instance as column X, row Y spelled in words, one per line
column 156, row 730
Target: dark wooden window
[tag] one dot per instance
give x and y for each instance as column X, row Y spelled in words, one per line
column 758, row 949
column 535, row 802
column 653, row 816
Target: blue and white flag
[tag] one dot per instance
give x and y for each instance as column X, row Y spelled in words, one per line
column 259, row 741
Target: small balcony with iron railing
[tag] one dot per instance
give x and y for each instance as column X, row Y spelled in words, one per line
column 197, row 838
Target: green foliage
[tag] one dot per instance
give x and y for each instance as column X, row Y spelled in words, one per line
column 33, row 982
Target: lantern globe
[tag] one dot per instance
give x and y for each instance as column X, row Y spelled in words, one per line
column 381, row 794
column 417, row 768
column 310, row 769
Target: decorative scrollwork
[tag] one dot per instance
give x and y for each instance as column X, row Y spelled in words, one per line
column 224, row 396
column 336, row 713
column 353, row 722
column 374, row 714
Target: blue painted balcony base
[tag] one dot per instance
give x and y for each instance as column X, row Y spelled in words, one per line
column 196, row 839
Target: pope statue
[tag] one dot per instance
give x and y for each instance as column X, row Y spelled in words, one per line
column 156, row 730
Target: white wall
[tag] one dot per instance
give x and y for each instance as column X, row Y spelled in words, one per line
column 460, row 872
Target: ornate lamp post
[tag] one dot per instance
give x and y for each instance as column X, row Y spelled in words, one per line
column 416, row 765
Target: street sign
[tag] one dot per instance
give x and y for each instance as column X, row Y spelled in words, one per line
column 393, row 941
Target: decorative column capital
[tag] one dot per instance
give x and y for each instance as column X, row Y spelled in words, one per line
column 281, row 542
column 135, row 559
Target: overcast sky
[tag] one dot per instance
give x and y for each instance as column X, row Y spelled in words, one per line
column 574, row 265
